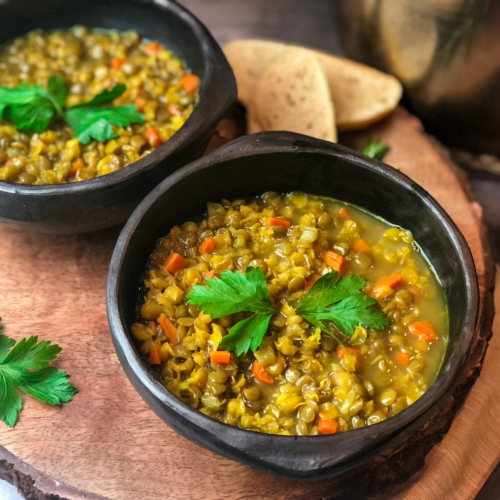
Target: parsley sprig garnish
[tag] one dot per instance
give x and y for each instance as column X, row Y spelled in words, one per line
column 340, row 302
column 376, row 149
column 235, row 292
column 93, row 120
column 330, row 299
column 32, row 107
column 25, row 366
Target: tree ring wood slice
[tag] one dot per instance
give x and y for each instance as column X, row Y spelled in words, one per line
column 108, row 444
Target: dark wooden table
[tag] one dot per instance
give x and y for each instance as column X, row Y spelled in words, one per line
column 313, row 23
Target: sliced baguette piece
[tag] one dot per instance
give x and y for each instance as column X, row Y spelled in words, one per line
column 293, row 95
column 362, row 95
column 249, row 59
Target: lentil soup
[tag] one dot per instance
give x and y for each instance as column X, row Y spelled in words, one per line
column 301, row 380
column 89, row 62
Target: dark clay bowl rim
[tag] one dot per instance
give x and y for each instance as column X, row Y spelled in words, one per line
column 396, row 428
column 217, row 76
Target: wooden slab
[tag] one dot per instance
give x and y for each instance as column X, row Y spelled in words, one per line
column 107, row 443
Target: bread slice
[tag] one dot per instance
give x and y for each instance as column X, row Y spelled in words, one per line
column 362, row 95
column 293, row 95
column 249, row 59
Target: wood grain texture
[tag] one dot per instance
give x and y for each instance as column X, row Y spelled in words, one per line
column 107, row 442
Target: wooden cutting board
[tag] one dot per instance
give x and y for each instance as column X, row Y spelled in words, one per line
column 107, row 443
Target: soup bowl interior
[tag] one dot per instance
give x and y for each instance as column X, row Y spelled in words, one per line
column 285, row 162
column 109, row 200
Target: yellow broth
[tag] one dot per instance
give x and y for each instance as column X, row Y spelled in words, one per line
column 310, row 384
column 158, row 84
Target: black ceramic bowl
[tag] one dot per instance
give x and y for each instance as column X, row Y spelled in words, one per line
column 285, row 162
column 109, row 200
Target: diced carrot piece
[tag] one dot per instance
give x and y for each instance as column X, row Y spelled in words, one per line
column 207, row 246
column 384, row 287
column 393, row 280
column 261, row 374
column 154, row 47
column 117, row 62
column 403, row 358
column 311, row 280
column 342, row 351
column 423, row 330
column 140, row 103
column 360, row 245
column 190, row 83
column 174, row 263
column 153, row 137
column 414, row 290
column 169, row 328
column 344, row 213
column 335, row 261
column 77, row 166
column 9, row 162
column 221, row 357
column 152, row 325
column 155, row 354
column 274, row 221
column 327, row 426
column 141, row 91
column 173, row 109
column 397, row 388
column 210, row 275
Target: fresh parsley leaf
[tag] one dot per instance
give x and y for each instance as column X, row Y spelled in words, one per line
column 233, row 292
column 105, row 97
column 23, row 103
column 58, row 91
column 236, row 292
column 22, row 94
column 5, row 342
column 31, row 107
column 247, row 334
column 376, row 149
column 31, row 117
column 326, row 291
column 48, row 385
column 10, row 402
column 45, row 383
column 96, row 123
column 29, row 353
column 352, row 312
column 350, row 309
column 100, row 129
